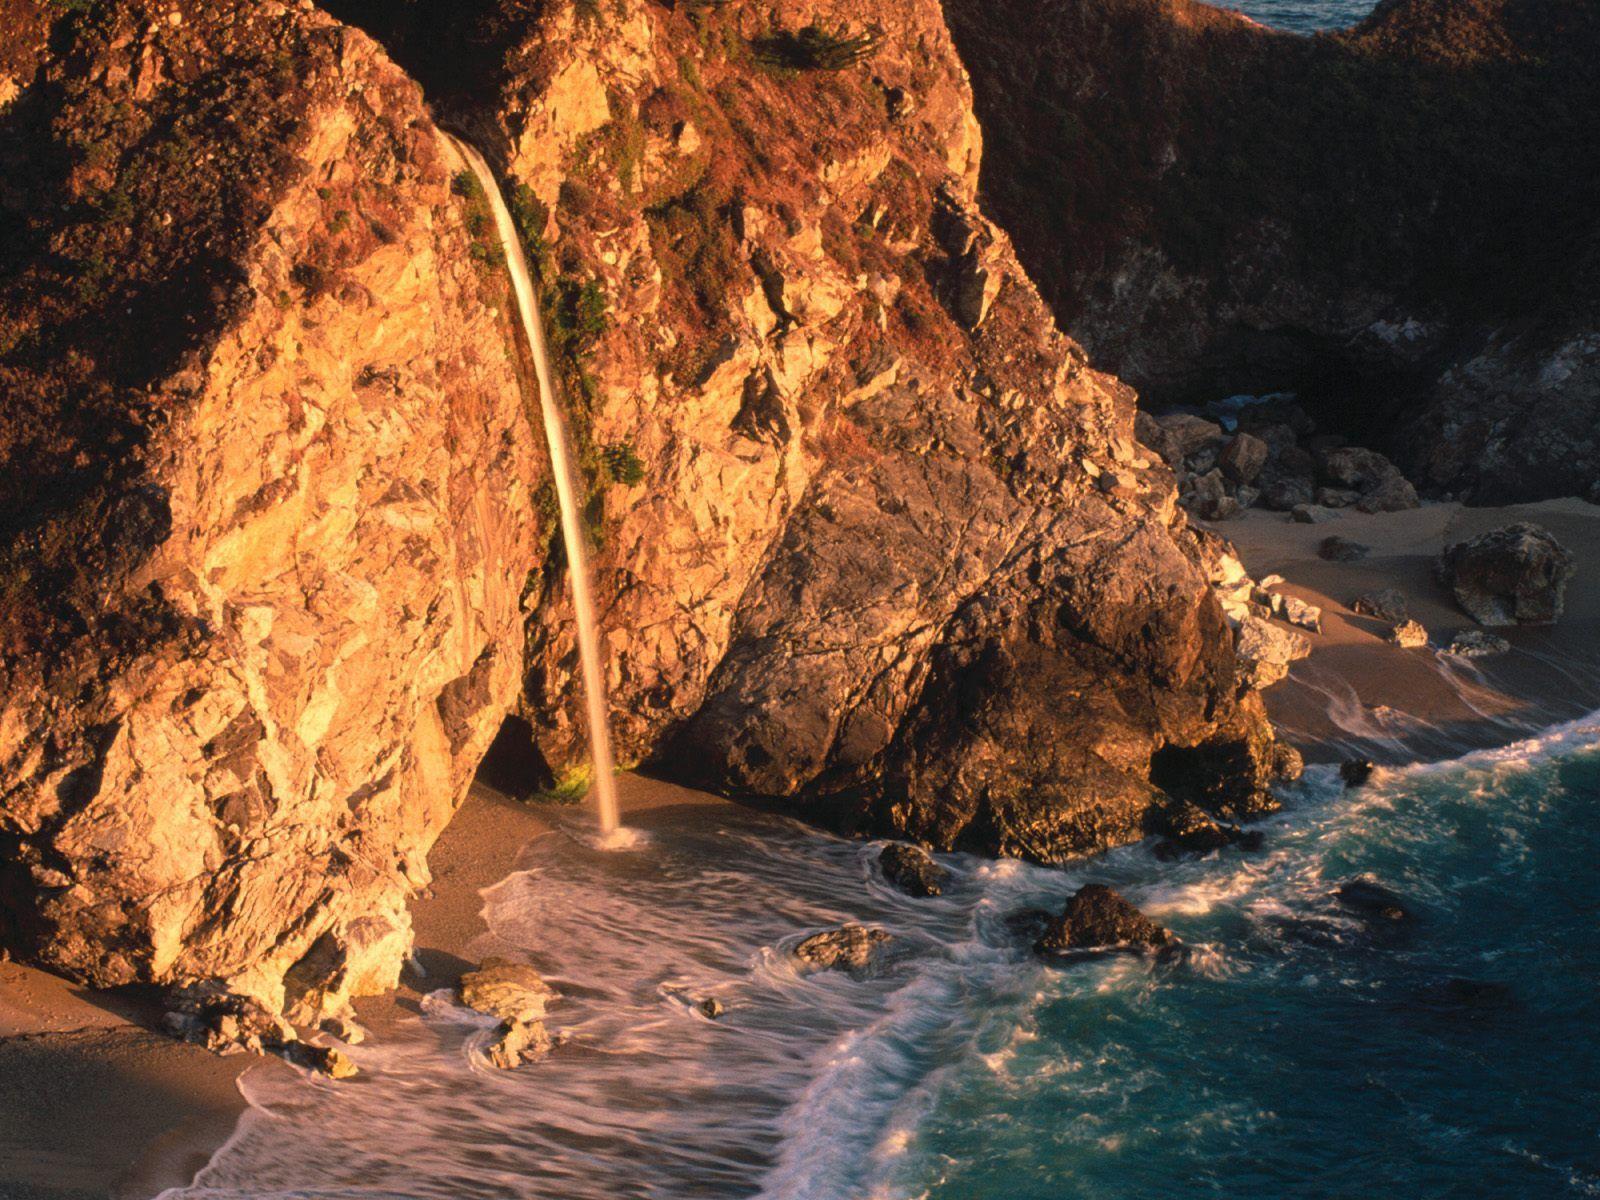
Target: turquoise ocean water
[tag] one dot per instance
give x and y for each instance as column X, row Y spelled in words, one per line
column 1300, row 1052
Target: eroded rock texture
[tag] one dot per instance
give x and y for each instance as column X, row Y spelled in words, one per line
column 266, row 499
column 874, row 538
column 1390, row 220
column 890, row 547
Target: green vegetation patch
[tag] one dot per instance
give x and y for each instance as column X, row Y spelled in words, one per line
column 816, row 48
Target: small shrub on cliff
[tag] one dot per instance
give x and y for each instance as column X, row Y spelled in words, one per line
column 530, row 217
column 815, row 48
column 621, row 464
column 575, row 316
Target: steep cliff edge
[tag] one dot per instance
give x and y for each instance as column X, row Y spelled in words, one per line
column 874, row 540
column 886, row 545
column 266, row 492
column 1398, row 221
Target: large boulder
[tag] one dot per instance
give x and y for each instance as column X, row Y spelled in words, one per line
column 514, row 993
column 1098, row 918
column 912, row 869
column 847, row 948
column 269, row 501
column 1512, row 576
column 1266, row 651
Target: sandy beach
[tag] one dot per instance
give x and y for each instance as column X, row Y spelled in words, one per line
column 94, row 1104
column 1359, row 694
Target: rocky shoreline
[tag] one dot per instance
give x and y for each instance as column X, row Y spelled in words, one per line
column 878, row 546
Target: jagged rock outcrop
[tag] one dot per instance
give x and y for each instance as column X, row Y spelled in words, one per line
column 266, row 500
column 1098, row 918
column 1384, row 219
column 873, row 536
column 892, row 548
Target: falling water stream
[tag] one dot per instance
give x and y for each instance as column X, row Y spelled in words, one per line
column 567, row 491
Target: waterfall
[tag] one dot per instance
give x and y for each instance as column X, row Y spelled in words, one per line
column 567, row 491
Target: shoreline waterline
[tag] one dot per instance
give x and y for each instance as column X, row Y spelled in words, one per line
column 830, row 1086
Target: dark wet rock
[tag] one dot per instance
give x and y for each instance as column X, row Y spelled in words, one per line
column 711, row 1008
column 1243, row 458
column 1189, row 829
column 1313, row 514
column 912, row 869
column 1098, row 918
column 1477, row 996
column 1512, row 576
column 848, row 948
column 1476, row 643
column 1339, row 549
column 1408, row 635
column 1287, row 763
column 1386, row 604
column 1356, row 772
column 1372, row 901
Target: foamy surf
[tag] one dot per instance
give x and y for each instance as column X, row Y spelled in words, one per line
column 961, row 1067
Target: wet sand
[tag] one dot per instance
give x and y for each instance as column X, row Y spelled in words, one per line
column 95, row 1104
column 1359, row 694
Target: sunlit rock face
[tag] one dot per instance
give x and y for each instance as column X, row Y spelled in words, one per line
column 268, row 500
column 874, row 540
column 1385, row 219
column 887, row 548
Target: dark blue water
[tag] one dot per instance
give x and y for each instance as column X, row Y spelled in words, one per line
column 1306, row 1054
column 1304, row 16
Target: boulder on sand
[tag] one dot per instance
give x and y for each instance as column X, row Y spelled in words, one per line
column 912, row 869
column 1338, row 549
column 1097, row 918
column 1512, row 576
column 847, row 948
column 1386, row 604
column 1408, row 635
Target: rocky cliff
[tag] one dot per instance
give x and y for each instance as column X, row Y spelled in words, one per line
column 1396, row 221
column 874, row 539
column 267, row 497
